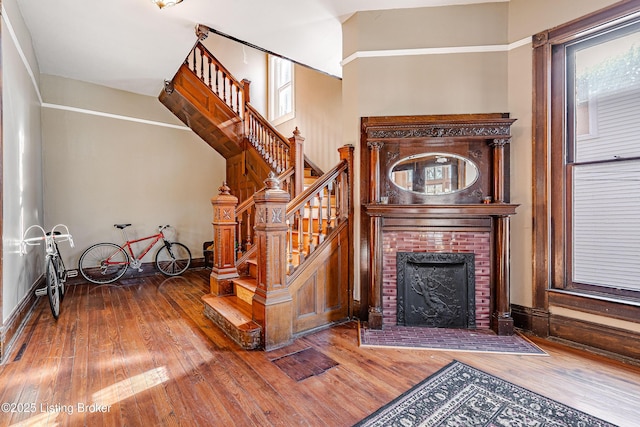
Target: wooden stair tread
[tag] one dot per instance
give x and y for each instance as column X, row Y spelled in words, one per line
column 247, row 282
column 233, row 309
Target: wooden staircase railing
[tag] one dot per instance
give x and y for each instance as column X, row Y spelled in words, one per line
column 284, row 255
column 272, row 146
column 218, row 79
column 293, row 241
column 314, row 213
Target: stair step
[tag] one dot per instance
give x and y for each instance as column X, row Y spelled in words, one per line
column 308, row 172
column 234, row 317
column 308, row 180
column 245, row 288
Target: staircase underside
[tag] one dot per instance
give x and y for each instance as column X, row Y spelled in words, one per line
column 201, row 110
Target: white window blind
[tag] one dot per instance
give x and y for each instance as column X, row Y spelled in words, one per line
column 606, row 224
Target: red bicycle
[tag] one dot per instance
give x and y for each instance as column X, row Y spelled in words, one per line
column 107, row 262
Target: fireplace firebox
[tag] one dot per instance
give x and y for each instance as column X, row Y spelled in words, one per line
column 436, row 289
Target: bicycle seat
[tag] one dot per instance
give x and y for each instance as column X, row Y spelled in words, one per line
column 121, row 226
column 55, row 233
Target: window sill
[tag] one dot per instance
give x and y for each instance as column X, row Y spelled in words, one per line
column 596, row 303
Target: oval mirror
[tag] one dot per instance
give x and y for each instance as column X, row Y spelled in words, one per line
column 434, row 173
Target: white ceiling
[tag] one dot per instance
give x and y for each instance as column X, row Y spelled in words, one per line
column 134, row 46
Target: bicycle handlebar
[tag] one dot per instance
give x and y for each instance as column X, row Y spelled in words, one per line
column 52, row 236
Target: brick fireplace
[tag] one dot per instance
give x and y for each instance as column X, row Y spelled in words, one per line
column 477, row 243
column 436, row 184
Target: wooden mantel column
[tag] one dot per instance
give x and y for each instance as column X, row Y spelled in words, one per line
column 501, row 320
column 375, row 234
column 272, row 303
column 499, row 170
column 224, row 241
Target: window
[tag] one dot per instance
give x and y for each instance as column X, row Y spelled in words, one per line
column 281, row 100
column 588, row 153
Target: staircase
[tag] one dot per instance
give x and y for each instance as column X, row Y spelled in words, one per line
column 282, row 257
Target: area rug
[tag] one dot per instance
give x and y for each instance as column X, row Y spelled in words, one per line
column 475, row 340
column 459, row 395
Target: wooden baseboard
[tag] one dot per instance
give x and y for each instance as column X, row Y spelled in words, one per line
column 18, row 318
column 602, row 337
column 148, row 269
column 530, row 319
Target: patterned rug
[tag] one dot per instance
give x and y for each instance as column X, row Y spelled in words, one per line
column 459, row 395
column 475, row 340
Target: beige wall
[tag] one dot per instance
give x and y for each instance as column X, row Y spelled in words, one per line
column 243, row 62
column 318, row 104
column 139, row 165
column 22, row 190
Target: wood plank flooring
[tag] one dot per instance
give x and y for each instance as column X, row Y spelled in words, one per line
column 144, row 352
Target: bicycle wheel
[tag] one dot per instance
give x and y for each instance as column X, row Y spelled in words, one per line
column 103, row 263
column 62, row 272
column 53, row 290
column 173, row 258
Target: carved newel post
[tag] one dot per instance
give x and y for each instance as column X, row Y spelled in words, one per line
column 272, row 303
column 297, row 160
column 224, row 241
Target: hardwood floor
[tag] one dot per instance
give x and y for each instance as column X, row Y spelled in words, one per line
column 144, row 350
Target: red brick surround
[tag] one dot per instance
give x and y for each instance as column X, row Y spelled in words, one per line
column 477, row 242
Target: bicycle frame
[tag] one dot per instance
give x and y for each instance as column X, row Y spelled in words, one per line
column 127, row 246
column 129, row 243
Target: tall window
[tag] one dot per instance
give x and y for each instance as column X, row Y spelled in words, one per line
column 592, row 165
column 281, row 100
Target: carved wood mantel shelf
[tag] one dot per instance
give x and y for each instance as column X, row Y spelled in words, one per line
column 443, row 175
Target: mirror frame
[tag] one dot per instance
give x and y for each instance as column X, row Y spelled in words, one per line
column 434, row 155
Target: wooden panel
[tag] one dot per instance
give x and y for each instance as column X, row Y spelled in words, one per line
column 326, row 277
column 204, row 113
column 307, row 297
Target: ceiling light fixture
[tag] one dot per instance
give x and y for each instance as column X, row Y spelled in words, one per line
column 165, row 3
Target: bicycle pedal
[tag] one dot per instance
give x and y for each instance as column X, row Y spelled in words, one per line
column 41, row 292
column 72, row 273
column 140, row 270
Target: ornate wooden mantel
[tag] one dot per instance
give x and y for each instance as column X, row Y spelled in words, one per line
column 483, row 205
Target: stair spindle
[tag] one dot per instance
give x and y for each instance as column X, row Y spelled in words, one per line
column 248, row 239
column 239, row 238
column 217, row 80
column 320, row 219
column 329, row 189
column 201, row 66
column 289, row 249
column 300, row 235
column 312, row 246
column 338, row 200
column 209, row 67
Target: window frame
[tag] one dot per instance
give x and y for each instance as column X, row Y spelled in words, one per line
column 275, row 90
column 551, row 179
